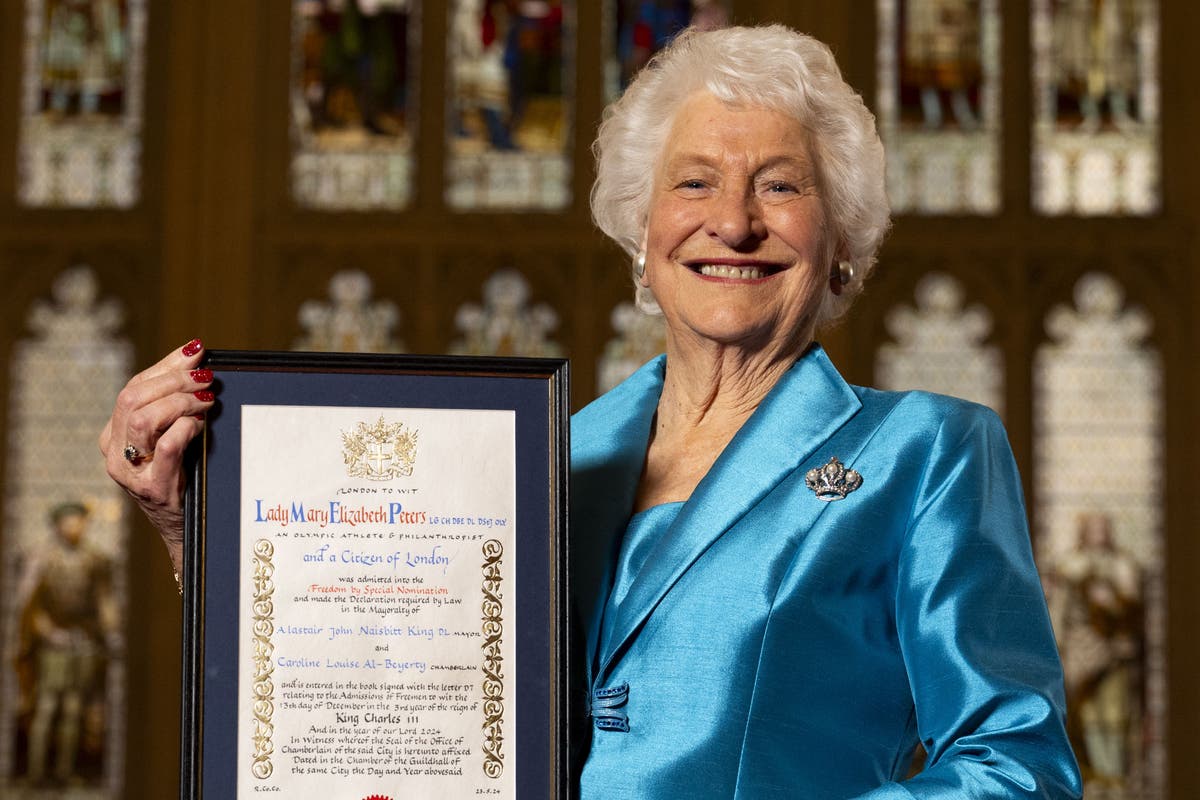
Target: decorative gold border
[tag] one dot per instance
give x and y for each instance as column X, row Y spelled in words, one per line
column 264, row 649
column 493, row 661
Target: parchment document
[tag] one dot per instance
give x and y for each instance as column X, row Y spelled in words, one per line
column 376, row 633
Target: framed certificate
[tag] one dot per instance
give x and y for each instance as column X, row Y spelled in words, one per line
column 375, row 579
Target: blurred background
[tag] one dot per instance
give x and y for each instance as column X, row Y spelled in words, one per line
column 412, row 177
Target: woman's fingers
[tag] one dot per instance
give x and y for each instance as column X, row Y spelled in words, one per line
column 157, row 414
column 168, row 456
column 140, row 417
column 159, row 481
column 185, row 357
column 166, row 398
column 146, row 424
column 153, row 405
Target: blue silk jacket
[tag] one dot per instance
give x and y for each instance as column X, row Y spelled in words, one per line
column 777, row 645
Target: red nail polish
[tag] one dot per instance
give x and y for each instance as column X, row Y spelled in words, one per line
column 200, row 417
column 192, row 347
column 201, row 375
column 205, row 396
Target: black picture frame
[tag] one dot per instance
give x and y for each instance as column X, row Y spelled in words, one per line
column 536, row 390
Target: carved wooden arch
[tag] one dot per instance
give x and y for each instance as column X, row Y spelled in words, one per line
column 983, row 277
column 299, row 274
column 550, row 275
column 1054, row 287
column 27, row 276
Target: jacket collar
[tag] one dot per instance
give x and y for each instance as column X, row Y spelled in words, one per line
column 810, row 402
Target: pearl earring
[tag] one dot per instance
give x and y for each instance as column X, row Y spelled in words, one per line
column 845, row 272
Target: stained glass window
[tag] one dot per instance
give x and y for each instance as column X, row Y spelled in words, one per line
column 62, row 674
column 353, row 102
column 637, row 29
column 350, row 322
column 1097, row 483
column 1095, row 130
column 940, row 346
column 939, row 104
column 640, row 337
column 81, row 103
column 506, row 324
column 510, row 73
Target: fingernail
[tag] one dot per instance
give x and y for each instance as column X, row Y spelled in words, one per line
column 202, row 375
column 205, row 396
column 192, row 347
column 200, row 417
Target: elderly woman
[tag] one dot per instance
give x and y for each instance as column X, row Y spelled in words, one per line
column 787, row 582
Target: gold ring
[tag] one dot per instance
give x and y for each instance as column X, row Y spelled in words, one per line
column 135, row 456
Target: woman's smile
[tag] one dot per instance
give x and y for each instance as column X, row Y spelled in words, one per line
column 735, row 270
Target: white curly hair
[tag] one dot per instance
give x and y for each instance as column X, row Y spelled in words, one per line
column 773, row 67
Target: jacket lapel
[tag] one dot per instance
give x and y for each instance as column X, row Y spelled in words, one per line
column 608, row 452
column 808, row 405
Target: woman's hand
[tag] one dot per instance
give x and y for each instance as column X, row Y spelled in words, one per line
column 158, row 412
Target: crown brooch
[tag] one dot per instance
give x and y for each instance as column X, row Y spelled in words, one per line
column 832, row 481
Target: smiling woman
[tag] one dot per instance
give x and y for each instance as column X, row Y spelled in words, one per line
column 789, row 580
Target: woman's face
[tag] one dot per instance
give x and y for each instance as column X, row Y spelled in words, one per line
column 735, row 239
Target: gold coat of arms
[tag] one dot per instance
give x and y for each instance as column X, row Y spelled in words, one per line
column 379, row 452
